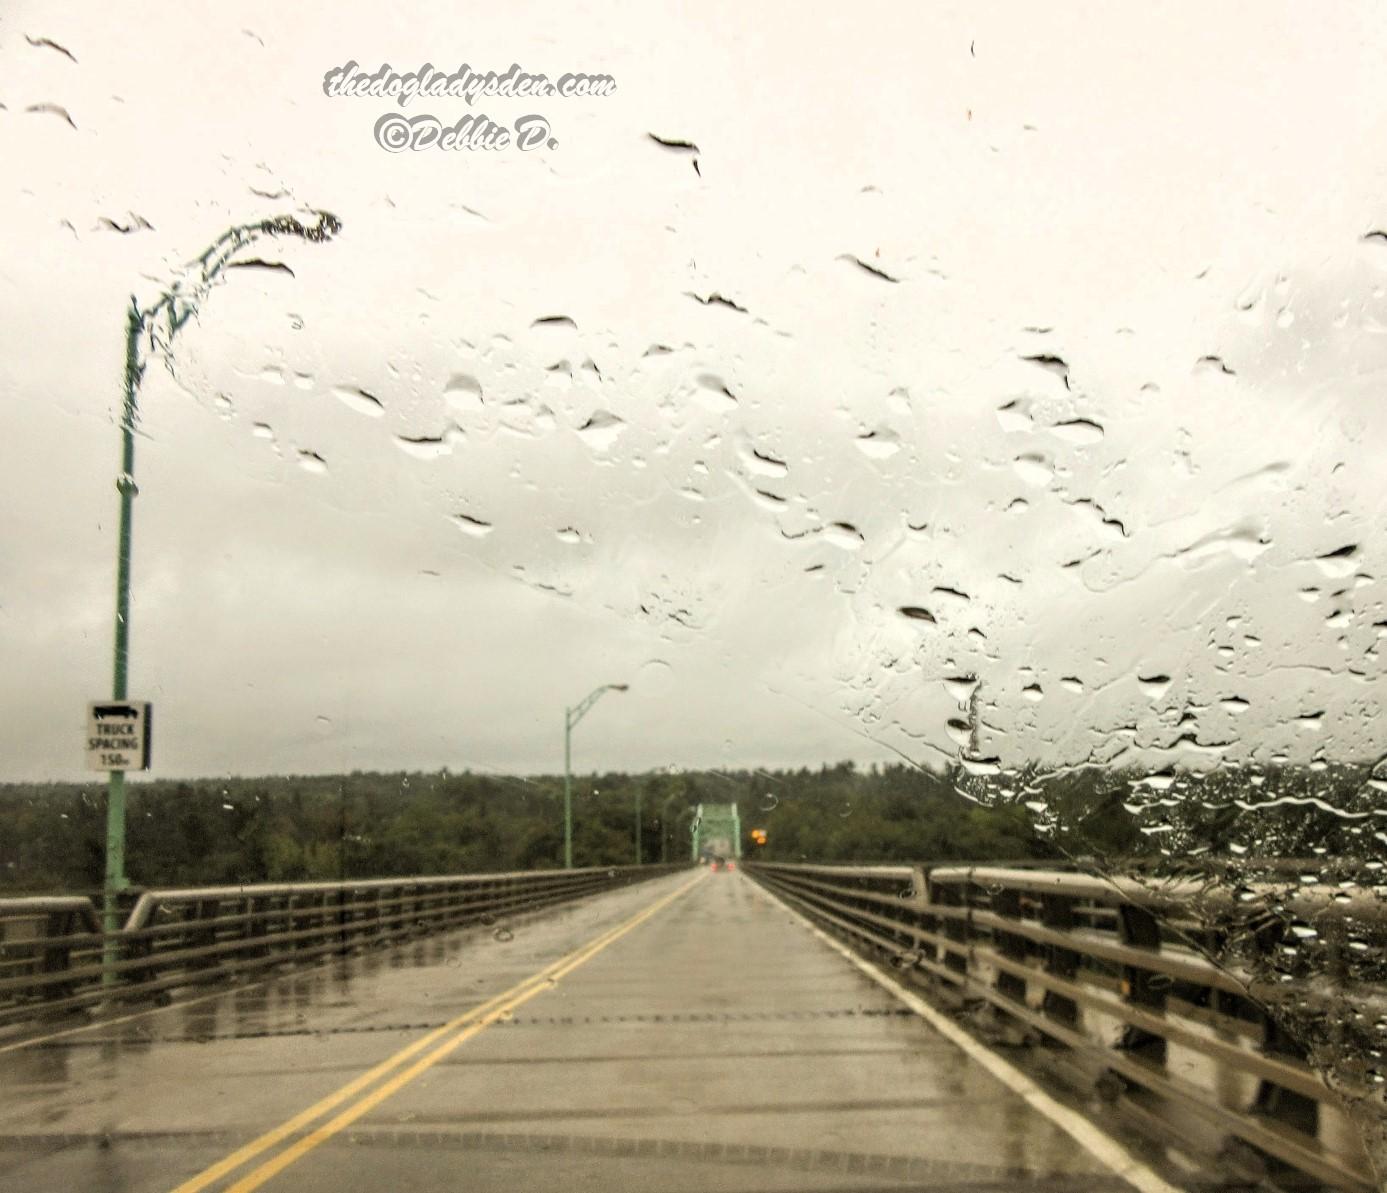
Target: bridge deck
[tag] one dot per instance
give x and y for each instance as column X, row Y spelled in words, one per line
column 714, row 1044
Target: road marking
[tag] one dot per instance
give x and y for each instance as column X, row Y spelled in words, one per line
column 172, row 1006
column 466, row 1025
column 1088, row 1136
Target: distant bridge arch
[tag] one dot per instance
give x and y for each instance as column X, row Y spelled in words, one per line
column 717, row 831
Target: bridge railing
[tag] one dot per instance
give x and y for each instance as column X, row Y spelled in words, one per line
column 1106, row 977
column 53, row 950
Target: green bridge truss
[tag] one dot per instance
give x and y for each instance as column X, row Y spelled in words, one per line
column 717, row 831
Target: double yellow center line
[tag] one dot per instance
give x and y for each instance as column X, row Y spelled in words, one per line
column 424, row 1053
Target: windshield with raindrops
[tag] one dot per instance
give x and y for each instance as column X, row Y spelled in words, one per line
column 934, row 451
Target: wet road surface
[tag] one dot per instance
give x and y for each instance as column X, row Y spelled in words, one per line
column 685, row 1034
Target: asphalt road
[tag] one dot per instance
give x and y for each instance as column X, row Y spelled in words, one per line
column 685, row 1034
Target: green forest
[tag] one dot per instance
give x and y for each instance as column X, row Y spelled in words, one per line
column 327, row 827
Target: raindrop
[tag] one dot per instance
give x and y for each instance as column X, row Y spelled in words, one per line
column 358, row 400
column 1051, row 364
column 961, row 687
column 463, row 392
column 762, row 463
column 429, row 447
column 312, row 462
column 1015, row 416
column 601, row 430
column 881, row 444
column 503, row 934
column 845, row 535
column 1339, row 563
column 1034, row 469
column 473, row 526
column 1212, row 364
column 714, row 395
column 917, row 613
column 1081, row 431
column 1155, row 686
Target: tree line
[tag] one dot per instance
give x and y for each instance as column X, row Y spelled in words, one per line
column 290, row 828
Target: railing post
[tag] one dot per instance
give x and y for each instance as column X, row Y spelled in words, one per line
column 344, row 918
column 204, row 935
column 956, row 928
column 256, row 928
column 1141, row 930
column 1007, row 902
column 373, row 912
column 1057, row 913
column 56, row 954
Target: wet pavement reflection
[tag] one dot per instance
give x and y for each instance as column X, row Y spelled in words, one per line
column 715, row 1046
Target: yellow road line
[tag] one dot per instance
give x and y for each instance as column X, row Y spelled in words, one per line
column 467, row 1025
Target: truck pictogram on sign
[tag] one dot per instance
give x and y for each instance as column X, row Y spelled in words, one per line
column 118, row 735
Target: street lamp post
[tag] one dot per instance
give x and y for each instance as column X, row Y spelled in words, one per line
column 664, row 825
column 571, row 716
column 160, row 323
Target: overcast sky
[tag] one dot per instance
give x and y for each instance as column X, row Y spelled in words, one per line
column 577, row 466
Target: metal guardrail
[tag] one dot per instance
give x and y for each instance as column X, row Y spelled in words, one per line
column 1101, row 973
column 52, row 949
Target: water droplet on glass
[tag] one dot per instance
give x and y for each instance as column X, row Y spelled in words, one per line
column 354, row 398
column 602, row 429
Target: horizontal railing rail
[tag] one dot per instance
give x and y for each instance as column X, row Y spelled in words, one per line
column 54, row 956
column 1108, row 975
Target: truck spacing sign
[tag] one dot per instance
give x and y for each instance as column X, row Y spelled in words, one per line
column 118, row 735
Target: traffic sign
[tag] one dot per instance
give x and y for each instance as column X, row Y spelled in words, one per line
column 118, row 735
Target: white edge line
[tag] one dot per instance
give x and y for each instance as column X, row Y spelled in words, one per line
column 1092, row 1139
